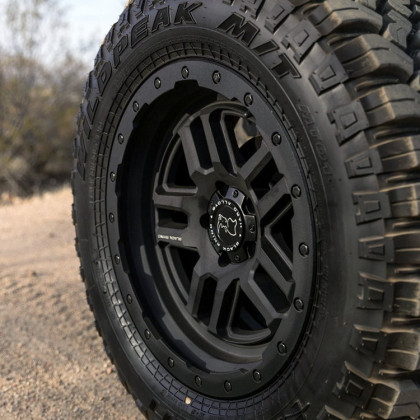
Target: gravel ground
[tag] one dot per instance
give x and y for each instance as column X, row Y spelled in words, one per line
column 52, row 363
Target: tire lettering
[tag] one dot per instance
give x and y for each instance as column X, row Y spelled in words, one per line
column 306, row 116
column 240, row 29
column 266, row 48
column 104, row 77
column 140, row 31
column 119, row 49
column 91, row 111
column 162, row 19
column 184, row 13
column 286, row 67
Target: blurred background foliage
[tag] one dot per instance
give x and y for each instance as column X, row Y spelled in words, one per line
column 41, row 85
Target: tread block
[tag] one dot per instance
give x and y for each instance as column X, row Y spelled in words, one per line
column 338, row 14
column 405, row 200
column 329, row 74
column 407, row 247
column 367, row 395
column 397, row 29
column 369, row 342
column 400, row 154
column 349, row 120
column 353, row 388
column 402, row 359
column 400, row 6
column 405, row 193
column 361, row 165
column 370, row 53
column 400, row 248
column 407, row 297
column 415, row 12
column 278, row 14
column 301, row 39
column 392, row 104
column 371, row 206
column 409, row 392
column 252, row 6
column 415, row 82
column 375, row 293
column 327, row 413
column 371, row 4
column 376, row 248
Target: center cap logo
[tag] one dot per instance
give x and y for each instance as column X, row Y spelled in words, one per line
column 226, row 225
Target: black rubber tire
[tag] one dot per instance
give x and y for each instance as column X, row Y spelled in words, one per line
column 354, row 114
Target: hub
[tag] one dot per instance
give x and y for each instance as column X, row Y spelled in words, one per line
column 233, row 228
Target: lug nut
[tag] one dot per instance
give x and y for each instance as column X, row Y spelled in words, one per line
column 117, row 259
column 112, row 176
column 299, row 305
column 252, row 228
column 148, row 335
column 171, row 362
column 235, row 193
column 198, row 381
column 281, row 347
column 120, row 138
column 185, row 72
column 136, row 107
column 249, row 99
column 111, row 218
column 296, row 191
column 257, row 376
column 237, row 258
column 228, row 386
column 158, row 83
column 304, row 250
column 276, row 139
column 129, row 299
column 217, row 77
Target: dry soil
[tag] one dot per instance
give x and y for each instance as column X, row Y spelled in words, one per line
column 52, row 363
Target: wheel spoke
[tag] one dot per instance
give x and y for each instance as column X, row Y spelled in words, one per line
column 275, row 252
column 272, row 198
column 255, row 163
column 193, row 155
column 260, row 301
column 181, row 238
column 218, row 143
column 202, row 271
column 177, row 199
column 279, row 269
column 196, row 289
column 224, row 305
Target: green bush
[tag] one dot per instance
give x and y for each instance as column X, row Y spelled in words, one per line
column 40, row 90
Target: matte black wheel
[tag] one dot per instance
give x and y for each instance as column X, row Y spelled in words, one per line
column 245, row 202
column 226, row 232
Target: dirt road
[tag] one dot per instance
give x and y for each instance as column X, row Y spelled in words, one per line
column 52, row 364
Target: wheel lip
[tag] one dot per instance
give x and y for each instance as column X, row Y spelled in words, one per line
column 148, row 90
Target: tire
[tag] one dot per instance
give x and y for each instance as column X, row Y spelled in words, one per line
column 247, row 195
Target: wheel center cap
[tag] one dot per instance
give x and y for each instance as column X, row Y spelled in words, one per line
column 231, row 229
column 226, row 225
